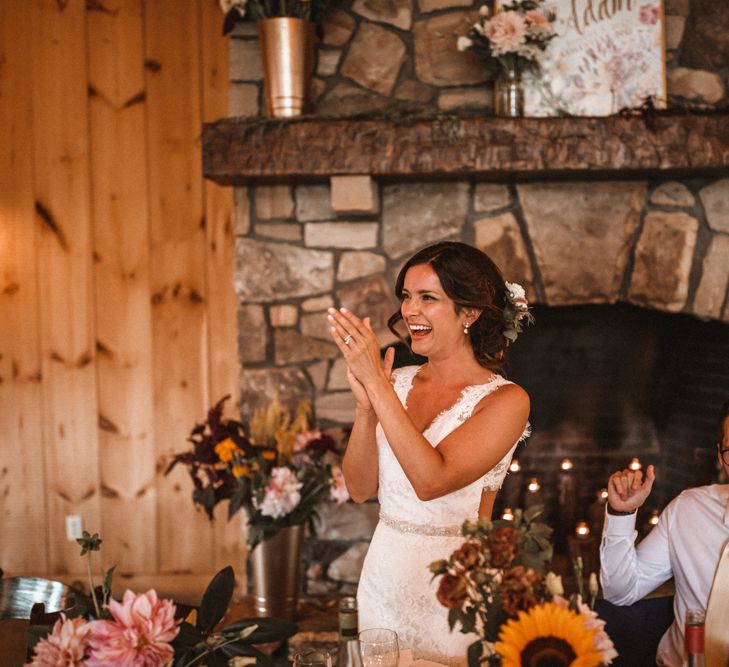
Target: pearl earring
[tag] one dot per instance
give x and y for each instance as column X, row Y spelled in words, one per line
column 465, row 327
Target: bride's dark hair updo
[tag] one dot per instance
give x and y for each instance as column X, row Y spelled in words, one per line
column 471, row 280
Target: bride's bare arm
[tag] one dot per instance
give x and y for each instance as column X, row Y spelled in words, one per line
column 468, row 453
column 360, row 465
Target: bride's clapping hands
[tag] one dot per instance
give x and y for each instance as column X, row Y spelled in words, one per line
column 361, row 350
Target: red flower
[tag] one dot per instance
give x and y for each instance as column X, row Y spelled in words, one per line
column 451, row 591
column 521, row 589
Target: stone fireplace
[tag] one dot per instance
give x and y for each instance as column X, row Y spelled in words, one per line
column 617, row 227
column 633, row 274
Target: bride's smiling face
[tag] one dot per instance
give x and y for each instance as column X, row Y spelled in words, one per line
column 430, row 314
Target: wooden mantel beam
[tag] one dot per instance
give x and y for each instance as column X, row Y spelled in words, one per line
column 238, row 151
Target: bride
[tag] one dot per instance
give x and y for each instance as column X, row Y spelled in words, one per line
column 433, row 442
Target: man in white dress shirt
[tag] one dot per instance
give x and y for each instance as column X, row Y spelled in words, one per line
column 685, row 544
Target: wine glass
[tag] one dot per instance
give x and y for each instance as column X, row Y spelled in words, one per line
column 379, row 647
column 312, row 657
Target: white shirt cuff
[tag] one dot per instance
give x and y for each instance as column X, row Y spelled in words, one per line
column 619, row 524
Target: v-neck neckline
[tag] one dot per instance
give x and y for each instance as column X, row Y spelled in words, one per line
column 446, row 410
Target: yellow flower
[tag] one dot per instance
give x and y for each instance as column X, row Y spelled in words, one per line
column 225, row 449
column 240, row 471
column 548, row 632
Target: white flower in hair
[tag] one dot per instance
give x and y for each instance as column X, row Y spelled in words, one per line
column 516, row 291
column 515, row 310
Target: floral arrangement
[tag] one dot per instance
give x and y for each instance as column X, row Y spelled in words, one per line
column 279, row 473
column 143, row 631
column 494, row 585
column 253, row 10
column 513, row 39
column 516, row 311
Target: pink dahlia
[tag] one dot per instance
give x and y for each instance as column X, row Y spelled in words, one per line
column 65, row 646
column 139, row 635
column 506, row 31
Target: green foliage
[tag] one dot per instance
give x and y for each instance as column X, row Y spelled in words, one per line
column 215, row 600
column 255, row 10
column 89, row 542
column 200, row 644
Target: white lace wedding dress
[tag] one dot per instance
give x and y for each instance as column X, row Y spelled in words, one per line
column 395, row 589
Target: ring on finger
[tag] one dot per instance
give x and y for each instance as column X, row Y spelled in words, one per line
column 348, row 339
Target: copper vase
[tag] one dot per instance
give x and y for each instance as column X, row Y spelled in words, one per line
column 287, row 48
column 275, row 568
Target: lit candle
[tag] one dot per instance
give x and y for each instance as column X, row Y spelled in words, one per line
column 650, row 523
column 582, row 529
column 635, row 464
column 511, row 488
column 533, row 495
column 508, row 515
column 602, row 495
column 584, row 544
column 566, row 501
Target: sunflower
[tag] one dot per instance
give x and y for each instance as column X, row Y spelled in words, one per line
column 548, row 636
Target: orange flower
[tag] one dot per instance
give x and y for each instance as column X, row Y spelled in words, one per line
column 269, row 455
column 241, row 471
column 225, row 450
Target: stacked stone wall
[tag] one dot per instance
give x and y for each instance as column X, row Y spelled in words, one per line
column 376, row 53
column 661, row 245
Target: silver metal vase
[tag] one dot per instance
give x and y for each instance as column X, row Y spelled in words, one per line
column 275, row 568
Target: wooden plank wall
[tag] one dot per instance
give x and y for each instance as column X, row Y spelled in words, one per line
column 117, row 311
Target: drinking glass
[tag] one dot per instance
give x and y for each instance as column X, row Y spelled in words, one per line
column 312, row 657
column 379, row 647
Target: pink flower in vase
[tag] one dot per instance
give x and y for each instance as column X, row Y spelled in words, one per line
column 538, row 23
column 281, row 495
column 140, row 634
column 649, row 14
column 338, row 493
column 506, row 31
column 302, row 440
column 65, row 646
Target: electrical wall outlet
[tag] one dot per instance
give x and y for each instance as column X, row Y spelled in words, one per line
column 74, row 527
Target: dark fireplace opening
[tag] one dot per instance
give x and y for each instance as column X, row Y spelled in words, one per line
column 609, row 383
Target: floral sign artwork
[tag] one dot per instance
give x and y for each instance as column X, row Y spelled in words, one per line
column 608, row 55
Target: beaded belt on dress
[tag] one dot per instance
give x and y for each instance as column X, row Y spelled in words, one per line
column 419, row 528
